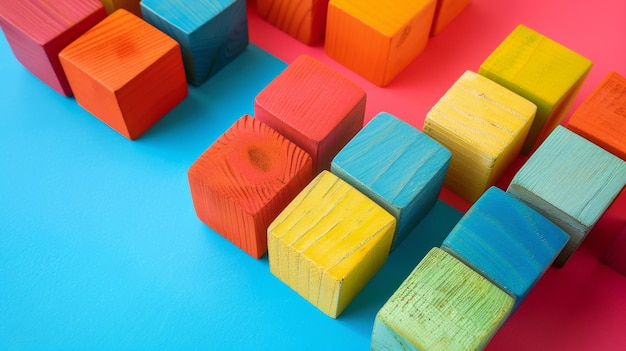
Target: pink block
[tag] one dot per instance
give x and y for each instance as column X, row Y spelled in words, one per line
column 615, row 255
column 37, row 30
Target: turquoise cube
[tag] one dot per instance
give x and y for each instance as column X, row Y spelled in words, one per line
column 211, row 33
column 506, row 241
column 570, row 181
column 397, row 166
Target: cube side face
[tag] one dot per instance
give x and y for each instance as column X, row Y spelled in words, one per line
column 424, row 310
column 570, row 181
column 542, row 71
column 446, row 12
column 242, row 182
column 506, row 241
column 131, row 6
column 615, row 255
column 484, row 126
column 303, row 20
column 601, row 118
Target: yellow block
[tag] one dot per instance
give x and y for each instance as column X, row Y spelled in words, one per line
column 484, row 126
column 129, row 5
column 541, row 70
column 329, row 242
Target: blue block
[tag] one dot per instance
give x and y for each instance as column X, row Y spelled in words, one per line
column 397, row 166
column 211, row 33
column 506, row 241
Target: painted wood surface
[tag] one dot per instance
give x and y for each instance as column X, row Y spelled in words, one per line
column 126, row 73
column 211, row 33
column 396, row 165
column 131, row 6
column 245, row 179
column 541, row 70
column 38, row 30
column 329, row 242
column 570, row 181
column 445, row 12
column 506, row 241
column 442, row 305
column 615, row 254
column 375, row 39
column 601, row 118
column 313, row 106
column 484, row 126
column 304, row 20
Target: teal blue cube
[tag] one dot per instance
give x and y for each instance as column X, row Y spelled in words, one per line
column 211, row 33
column 506, row 241
column 396, row 165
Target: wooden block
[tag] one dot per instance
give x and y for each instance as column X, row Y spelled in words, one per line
column 313, row 106
column 242, row 182
column 484, row 125
column 125, row 72
column 570, row 181
column 131, row 6
column 506, row 241
column 38, row 30
column 541, row 70
column 445, row 12
column 601, row 118
column 211, row 33
column 442, row 305
column 329, row 242
column 375, row 39
column 396, row 165
column 304, row 20
column 615, row 255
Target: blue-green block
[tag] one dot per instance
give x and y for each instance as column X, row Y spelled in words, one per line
column 506, row 241
column 571, row 181
column 397, row 166
column 211, row 33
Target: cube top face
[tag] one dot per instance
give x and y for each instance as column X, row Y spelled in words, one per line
column 386, row 17
column 572, row 176
column 115, row 50
column 502, row 238
column 252, row 159
column 190, row 15
column 485, row 116
column 442, row 305
column 310, row 97
column 544, row 69
column 601, row 118
column 400, row 160
column 42, row 20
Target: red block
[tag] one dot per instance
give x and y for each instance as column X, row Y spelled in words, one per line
column 615, row 255
column 313, row 106
column 245, row 179
column 37, row 30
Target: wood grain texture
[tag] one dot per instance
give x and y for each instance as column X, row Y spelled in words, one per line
column 211, row 33
column 570, row 181
column 38, row 30
column 396, row 165
column 313, row 106
column 541, row 70
column 377, row 40
column 329, row 242
column 506, row 241
column 245, row 179
column 601, row 118
column 304, row 20
column 615, row 254
column 445, row 12
column 131, row 6
column 442, row 305
column 484, row 126
column 126, row 73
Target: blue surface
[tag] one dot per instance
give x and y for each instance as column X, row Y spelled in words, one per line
column 396, row 165
column 506, row 241
column 100, row 247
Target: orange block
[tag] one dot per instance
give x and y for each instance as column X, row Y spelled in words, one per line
column 377, row 39
column 304, row 20
column 601, row 118
column 125, row 72
column 245, row 179
column 446, row 11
